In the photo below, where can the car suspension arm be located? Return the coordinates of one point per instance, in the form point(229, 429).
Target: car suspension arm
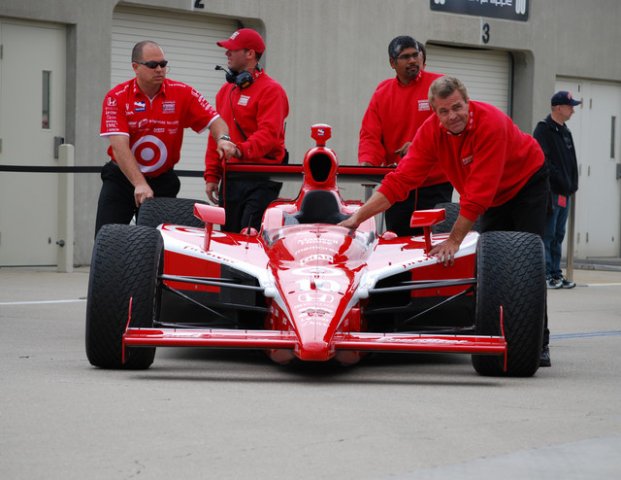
point(223, 283)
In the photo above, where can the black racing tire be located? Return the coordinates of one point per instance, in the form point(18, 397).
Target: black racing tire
point(176, 211)
point(126, 263)
point(511, 273)
point(452, 212)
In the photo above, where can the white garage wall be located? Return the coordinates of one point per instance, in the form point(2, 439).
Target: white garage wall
point(486, 73)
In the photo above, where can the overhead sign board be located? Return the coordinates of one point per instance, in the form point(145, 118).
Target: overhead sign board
point(507, 9)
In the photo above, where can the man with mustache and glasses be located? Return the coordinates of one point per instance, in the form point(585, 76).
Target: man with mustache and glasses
point(398, 107)
point(144, 119)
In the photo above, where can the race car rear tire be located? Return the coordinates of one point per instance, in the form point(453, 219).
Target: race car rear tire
point(176, 211)
point(511, 274)
point(126, 263)
point(452, 212)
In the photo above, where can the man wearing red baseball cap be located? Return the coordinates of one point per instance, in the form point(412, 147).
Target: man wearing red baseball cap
point(255, 107)
point(244, 38)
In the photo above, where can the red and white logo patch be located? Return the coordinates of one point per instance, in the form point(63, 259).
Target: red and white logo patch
point(423, 106)
point(168, 107)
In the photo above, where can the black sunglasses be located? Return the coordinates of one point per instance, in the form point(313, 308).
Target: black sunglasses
point(153, 64)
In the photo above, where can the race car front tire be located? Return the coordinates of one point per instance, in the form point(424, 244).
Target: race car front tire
point(176, 211)
point(125, 265)
point(511, 274)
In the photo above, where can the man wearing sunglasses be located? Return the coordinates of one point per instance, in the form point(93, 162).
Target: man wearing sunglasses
point(398, 107)
point(255, 107)
point(144, 119)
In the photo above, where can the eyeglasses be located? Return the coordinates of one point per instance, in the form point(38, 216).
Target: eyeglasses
point(407, 57)
point(152, 64)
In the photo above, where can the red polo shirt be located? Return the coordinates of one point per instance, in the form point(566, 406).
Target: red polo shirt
point(395, 113)
point(488, 163)
point(154, 126)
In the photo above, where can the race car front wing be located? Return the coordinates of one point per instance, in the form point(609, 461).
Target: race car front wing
point(318, 351)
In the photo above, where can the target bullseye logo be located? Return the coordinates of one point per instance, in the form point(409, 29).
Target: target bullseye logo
point(150, 152)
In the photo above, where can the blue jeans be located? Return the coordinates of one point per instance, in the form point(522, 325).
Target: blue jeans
point(553, 238)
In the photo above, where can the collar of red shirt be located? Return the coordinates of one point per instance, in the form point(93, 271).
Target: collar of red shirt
point(137, 91)
point(412, 83)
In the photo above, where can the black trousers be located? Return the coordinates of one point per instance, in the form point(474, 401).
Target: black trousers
point(398, 215)
point(245, 200)
point(116, 199)
point(526, 212)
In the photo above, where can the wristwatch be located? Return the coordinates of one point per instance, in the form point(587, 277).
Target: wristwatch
point(224, 137)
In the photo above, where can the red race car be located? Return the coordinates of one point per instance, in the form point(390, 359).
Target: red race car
point(306, 289)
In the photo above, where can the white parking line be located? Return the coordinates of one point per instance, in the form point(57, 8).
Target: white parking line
point(42, 302)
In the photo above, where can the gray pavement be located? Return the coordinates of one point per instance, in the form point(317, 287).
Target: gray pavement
point(234, 414)
point(595, 277)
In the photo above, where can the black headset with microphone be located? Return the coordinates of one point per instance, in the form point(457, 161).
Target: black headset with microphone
point(241, 79)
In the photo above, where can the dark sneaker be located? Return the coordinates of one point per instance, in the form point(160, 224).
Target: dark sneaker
point(554, 283)
point(544, 358)
point(566, 283)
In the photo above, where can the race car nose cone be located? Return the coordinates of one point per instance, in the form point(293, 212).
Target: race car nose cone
point(314, 351)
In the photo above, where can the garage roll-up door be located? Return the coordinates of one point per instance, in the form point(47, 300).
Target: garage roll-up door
point(486, 73)
point(189, 43)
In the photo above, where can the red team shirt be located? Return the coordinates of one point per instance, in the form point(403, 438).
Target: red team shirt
point(154, 126)
point(395, 113)
point(488, 163)
point(260, 111)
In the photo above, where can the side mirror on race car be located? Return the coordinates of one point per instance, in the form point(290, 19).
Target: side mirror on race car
point(425, 219)
point(209, 215)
